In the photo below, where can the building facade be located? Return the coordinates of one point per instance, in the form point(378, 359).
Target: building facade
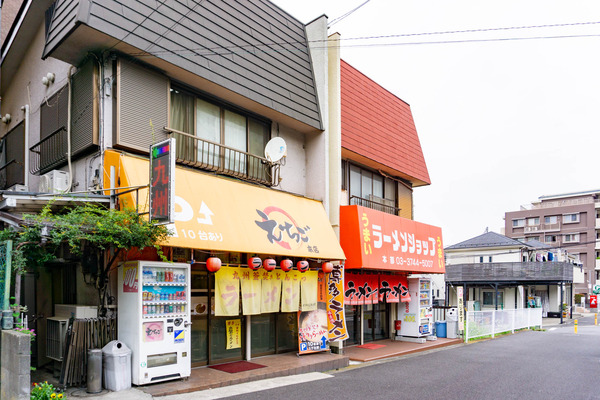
point(382, 163)
point(568, 222)
point(89, 86)
point(498, 272)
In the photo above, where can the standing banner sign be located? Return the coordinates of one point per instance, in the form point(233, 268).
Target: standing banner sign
point(5, 273)
point(334, 286)
point(461, 308)
point(593, 301)
point(162, 182)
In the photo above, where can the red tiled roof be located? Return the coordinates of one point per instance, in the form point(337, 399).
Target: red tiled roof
point(378, 125)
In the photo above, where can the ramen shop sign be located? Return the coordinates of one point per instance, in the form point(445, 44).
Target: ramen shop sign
point(162, 181)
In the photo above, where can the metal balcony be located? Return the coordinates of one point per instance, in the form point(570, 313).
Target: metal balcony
point(386, 208)
point(50, 153)
point(550, 271)
point(224, 160)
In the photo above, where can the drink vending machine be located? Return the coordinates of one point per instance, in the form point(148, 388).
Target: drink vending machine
point(417, 315)
point(154, 319)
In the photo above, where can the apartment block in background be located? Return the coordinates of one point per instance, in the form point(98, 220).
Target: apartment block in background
point(569, 222)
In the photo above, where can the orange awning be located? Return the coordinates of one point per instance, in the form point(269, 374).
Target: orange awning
point(221, 214)
point(373, 239)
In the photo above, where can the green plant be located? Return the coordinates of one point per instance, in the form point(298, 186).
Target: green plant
point(83, 228)
point(45, 391)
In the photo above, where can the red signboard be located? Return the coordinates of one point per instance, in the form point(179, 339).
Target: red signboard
point(593, 301)
point(373, 239)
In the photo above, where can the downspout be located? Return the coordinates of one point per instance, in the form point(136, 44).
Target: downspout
point(69, 130)
point(25, 108)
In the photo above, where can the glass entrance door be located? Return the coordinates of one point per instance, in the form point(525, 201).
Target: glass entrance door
point(375, 321)
point(209, 332)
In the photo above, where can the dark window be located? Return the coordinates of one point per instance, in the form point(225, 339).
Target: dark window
point(371, 189)
point(12, 157)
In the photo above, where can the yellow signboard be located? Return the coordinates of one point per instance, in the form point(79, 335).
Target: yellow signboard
point(227, 215)
point(234, 333)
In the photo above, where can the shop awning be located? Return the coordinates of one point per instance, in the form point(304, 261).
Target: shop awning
point(376, 240)
point(214, 213)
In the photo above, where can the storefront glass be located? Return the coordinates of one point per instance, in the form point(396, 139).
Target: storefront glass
point(352, 314)
point(287, 332)
point(263, 334)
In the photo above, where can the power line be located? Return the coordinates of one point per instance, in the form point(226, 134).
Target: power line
point(338, 19)
point(259, 47)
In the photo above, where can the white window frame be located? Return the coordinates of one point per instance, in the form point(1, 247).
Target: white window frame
point(551, 219)
point(571, 238)
point(568, 218)
point(535, 220)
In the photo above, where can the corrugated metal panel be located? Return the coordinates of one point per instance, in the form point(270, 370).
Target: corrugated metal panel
point(142, 96)
point(63, 21)
point(84, 109)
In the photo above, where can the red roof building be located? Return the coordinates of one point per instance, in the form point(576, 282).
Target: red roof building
point(378, 129)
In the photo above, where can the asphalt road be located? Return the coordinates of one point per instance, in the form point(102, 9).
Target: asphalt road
point(551, 364)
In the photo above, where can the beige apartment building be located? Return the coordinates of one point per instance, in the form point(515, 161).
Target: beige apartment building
point(567, 222)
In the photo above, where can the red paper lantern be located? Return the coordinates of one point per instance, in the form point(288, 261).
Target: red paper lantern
point(327, 267)
point(286, 265)
point(254, 263)
point(213, 264)
point(269, 264)
point(302, 266)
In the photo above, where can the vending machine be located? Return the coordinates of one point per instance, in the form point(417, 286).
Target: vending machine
point(154, 319)
point(416, 316)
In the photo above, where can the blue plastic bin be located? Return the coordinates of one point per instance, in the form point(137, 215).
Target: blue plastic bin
point(440, 329)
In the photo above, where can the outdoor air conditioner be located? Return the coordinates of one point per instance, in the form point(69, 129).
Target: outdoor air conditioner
point(17, 188)
point(54, 182)
point(56, 333)
point(75, 311)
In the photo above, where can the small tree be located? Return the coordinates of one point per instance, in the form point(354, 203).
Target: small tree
point(91, 225)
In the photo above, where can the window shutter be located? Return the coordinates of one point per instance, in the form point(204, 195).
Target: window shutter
point(142, 96)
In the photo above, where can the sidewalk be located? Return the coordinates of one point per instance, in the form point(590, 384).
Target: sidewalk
point(280, 365)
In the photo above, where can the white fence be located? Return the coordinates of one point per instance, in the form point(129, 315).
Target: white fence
point(490, 323)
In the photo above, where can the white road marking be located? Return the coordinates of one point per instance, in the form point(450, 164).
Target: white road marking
point(250, 387)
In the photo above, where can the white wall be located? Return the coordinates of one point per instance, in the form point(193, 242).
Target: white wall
point(472, 256)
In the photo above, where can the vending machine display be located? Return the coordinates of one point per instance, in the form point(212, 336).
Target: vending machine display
point(416, 316)
point(154, 319)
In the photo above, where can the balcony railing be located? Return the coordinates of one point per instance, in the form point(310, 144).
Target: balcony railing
point(50, 152)
point(225, 160)
point(510, 272)
point(386, 208)
point(542, 228)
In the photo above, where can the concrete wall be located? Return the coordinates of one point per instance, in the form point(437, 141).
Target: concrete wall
point(16, 365)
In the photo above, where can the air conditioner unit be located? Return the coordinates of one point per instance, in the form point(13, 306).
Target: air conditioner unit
point(54, 182)
point(17, 188)
point(56, 333)
point(75, 311)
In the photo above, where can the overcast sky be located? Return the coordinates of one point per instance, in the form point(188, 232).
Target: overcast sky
point(501, 122)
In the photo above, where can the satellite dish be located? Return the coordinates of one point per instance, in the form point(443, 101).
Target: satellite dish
point(276, 149)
